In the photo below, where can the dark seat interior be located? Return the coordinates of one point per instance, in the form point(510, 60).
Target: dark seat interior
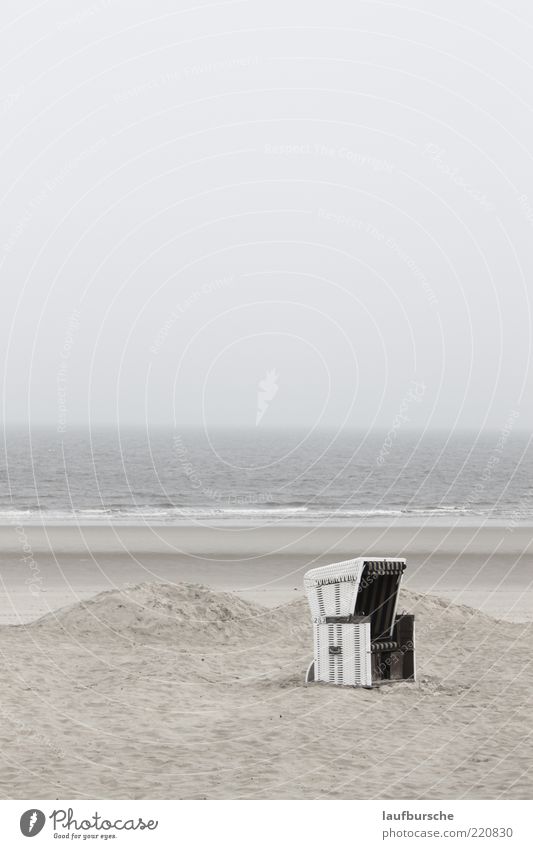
point(378, 591)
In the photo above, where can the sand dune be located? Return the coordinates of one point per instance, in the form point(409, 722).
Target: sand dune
point(177, 691)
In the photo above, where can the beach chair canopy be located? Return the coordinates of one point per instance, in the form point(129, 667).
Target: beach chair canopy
point(354, 588)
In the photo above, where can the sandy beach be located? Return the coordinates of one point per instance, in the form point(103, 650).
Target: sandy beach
point(47, 567)
point(169, 663)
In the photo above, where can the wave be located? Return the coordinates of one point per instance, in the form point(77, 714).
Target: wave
point(163, 515)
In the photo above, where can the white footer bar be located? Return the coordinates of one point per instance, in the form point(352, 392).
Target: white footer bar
point(261, 824)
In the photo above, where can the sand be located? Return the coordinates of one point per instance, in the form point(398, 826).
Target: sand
point(43, 568)
point(162, 690)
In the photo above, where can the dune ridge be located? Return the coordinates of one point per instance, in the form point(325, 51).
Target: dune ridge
point(177, 691)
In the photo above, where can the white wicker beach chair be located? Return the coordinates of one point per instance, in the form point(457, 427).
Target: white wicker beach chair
point(358, 639)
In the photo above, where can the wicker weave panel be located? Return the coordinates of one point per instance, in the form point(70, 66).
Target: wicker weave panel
point(350, 665)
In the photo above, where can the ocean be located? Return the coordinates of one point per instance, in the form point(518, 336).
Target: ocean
point(258, 476)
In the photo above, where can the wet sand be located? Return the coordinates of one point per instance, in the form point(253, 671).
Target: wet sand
point(43, 569)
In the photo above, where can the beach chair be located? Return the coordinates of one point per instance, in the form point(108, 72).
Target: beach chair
point(359, 641)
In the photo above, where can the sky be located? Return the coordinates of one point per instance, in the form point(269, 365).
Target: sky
point(316, 214)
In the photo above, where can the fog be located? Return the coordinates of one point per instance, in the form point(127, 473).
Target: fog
point(322, 212)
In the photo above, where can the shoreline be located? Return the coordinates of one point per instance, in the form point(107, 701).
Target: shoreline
point(295, 538)
point(45, 568)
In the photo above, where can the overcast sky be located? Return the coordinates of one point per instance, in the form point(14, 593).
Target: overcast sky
point(338, 195)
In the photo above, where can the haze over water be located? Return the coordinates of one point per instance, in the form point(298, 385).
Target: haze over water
point(174, 476)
